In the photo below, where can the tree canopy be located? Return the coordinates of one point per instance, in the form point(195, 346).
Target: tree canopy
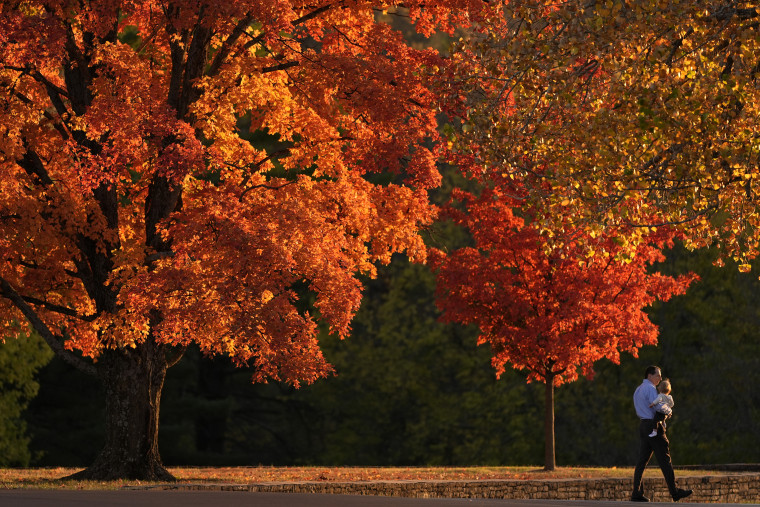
point(621, 113)
point(548, 313)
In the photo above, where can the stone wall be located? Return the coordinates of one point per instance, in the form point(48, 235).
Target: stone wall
point(735, 488)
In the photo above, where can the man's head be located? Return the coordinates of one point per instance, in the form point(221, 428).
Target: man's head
point(653, 374)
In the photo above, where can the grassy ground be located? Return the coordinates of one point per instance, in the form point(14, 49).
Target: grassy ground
point(50, 478)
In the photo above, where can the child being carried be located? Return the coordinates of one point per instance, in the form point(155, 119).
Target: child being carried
point(664, 398)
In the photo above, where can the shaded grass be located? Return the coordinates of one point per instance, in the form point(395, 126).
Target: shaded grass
point(50, 478)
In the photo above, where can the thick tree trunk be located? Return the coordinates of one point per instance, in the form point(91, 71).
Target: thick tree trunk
point(132, 380)
point(549, 455)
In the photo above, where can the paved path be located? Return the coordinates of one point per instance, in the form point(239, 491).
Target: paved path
point(67, 498)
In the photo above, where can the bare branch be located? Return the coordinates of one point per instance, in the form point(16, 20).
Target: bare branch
point(254, 40)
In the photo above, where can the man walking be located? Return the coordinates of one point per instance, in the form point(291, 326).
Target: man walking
point(658, 444)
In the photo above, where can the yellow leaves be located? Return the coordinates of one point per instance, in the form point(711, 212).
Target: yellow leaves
point(688, 152)
point(30, 8)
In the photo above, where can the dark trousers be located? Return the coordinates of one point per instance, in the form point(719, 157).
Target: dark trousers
point(659, 421)
point(658, 445)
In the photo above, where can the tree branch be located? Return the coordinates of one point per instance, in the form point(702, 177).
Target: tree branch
point(270, 187)
point(76, 74)
point(196, 56)
point(313, 14)
point(283, 151)
point(282, 66)
point(253, 41)
point(230, 41)
point(150, 259)
point(37, 76)
point(174, 354)
point(7, 291)
point(57, 122)
point(63, 310)
point(32, 164)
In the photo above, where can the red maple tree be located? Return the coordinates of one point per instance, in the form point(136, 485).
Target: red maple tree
point(552, 312)
point(188, 170)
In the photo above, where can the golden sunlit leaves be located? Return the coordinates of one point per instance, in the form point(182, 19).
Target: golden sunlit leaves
point(622, 113)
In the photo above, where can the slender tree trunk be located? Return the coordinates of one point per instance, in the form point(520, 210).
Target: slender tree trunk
point(549, 455)
point(132, 380)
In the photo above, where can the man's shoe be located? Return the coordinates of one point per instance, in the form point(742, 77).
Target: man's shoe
point(639, 498)
point(681, 493)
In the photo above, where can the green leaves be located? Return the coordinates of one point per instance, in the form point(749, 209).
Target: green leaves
point(20, 359)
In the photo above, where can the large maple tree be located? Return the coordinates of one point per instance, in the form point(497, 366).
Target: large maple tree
point(623, 113)
point(186, 171)
point(552, 312)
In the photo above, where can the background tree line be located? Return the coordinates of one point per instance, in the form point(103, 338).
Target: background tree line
point(410, 390)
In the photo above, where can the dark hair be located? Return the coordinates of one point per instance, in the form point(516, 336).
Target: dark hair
point(651, 370)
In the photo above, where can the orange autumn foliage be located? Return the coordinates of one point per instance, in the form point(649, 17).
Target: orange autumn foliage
point(133, 207)
point(543, 310)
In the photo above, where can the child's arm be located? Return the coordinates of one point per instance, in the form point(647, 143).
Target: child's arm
point(661, 404)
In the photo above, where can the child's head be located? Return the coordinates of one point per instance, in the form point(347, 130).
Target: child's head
point(664, 386)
